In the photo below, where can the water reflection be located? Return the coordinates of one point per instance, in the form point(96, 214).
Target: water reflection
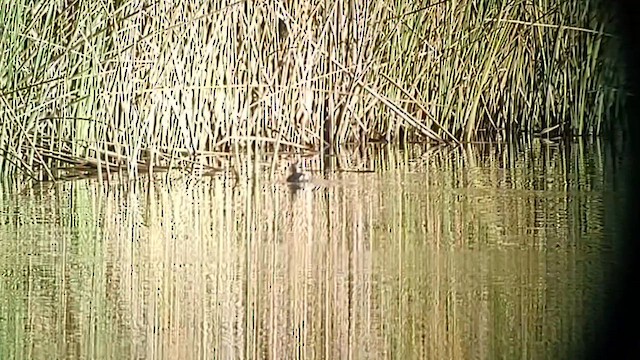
point(477, 252)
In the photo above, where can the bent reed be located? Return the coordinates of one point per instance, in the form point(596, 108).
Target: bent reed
point(152, 85)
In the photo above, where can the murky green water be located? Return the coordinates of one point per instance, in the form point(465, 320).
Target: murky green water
point(441, 254)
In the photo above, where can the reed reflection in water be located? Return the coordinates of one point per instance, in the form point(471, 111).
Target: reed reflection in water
point(436, 254)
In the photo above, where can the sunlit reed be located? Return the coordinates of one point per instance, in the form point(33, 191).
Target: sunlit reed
point(146, 86)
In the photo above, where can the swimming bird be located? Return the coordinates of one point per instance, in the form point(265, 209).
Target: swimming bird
point(296, 176)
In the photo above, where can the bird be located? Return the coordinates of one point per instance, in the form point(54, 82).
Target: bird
point(283, 32)
point(296, 176)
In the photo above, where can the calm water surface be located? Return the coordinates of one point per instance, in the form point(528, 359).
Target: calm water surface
point(469, 253)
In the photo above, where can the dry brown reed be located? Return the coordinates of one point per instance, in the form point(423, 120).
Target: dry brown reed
point(146, 86)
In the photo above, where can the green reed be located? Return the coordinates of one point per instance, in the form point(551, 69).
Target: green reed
point(148, 86)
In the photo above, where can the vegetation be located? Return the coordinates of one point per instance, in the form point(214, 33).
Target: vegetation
point(144, 85)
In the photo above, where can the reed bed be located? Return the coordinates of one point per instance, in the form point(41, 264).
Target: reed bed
point(153, 85)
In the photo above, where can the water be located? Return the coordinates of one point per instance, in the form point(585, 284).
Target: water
point(479, 252)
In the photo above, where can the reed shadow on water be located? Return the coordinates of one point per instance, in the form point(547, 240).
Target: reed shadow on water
point(441, 239)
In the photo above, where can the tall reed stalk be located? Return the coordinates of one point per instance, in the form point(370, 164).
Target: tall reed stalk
point(148, 85)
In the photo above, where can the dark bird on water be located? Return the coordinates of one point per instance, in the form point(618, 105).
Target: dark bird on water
point(296, 176)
